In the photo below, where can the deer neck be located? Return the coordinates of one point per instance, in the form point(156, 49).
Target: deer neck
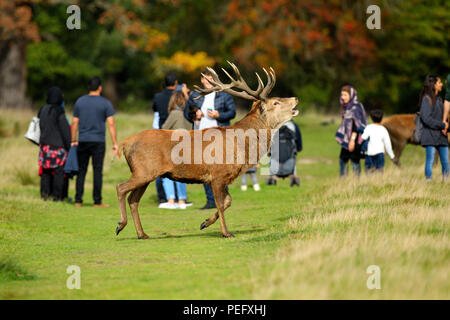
point(256, 121)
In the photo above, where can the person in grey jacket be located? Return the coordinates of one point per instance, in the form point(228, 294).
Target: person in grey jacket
point(432, 137)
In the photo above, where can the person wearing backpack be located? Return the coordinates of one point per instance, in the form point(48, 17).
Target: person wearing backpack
point(283, 158)
point(431, 115)
point(348, 135)
point(54, 146)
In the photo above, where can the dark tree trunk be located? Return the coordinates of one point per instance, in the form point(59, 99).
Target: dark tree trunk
point(111, 91)
point(13, 70)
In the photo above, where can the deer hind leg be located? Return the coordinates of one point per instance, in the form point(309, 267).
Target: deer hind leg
point(220, 194)
point(215, 216)
point(133, 200)
point(122, 191)
point(398, 150)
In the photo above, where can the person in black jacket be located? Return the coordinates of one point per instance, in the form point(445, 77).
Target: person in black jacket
point(432, 136)
point(161, 113)
point(54, 146)
point(212, 110)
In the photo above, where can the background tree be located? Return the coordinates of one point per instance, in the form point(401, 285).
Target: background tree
point(315, 46)
point(17, 29)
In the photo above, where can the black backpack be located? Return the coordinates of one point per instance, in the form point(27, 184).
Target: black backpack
point(287, 146)
point(417, 134)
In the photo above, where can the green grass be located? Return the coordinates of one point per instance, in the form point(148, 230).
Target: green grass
point(315, 241)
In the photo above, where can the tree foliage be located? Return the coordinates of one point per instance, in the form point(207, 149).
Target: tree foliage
point(314, 45)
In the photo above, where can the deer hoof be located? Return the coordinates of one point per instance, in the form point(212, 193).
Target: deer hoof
point(119, 228)
point(228, 235)
point(203, 226)
point(143, 237)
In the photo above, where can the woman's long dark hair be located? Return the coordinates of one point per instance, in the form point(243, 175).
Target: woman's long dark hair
point(428, 89)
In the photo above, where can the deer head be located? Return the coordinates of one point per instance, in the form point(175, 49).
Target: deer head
point(273, 111)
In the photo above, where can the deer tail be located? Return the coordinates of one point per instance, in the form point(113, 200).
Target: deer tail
point(121, 149)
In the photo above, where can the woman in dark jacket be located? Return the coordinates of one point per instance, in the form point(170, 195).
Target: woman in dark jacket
point(54, 145)
point(432, 137)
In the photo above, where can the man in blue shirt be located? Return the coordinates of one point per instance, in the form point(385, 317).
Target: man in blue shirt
point(211, 110)
point(89, 116)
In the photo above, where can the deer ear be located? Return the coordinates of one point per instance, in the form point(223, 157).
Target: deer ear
point(258, 104)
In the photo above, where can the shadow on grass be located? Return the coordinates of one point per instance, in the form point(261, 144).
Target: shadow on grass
point(211, 234)
point(11, 271)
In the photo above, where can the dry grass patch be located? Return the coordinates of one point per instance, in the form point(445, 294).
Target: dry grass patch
point(395, 221)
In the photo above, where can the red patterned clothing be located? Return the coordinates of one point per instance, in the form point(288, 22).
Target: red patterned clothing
point(51, 157)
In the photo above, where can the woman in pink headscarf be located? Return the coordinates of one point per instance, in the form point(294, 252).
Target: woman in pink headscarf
point(348, 135)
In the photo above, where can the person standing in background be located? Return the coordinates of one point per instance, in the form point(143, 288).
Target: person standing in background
point(431, 114)
point(378, 142)
point(161, 113)
point(54, 146)
point(348, 135)
point(90, 113)
point(211, 110)
point(175, 121)
point(446, 105)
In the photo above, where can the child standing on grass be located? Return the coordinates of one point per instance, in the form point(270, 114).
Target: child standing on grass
point(252, 173)
point(379, 142)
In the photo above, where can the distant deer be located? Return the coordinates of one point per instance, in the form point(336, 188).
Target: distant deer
point(401, 128)
point(149, 153)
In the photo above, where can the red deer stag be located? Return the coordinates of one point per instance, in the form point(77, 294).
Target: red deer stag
point(150, 153)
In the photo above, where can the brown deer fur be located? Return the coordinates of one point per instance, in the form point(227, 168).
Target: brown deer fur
point(149, 156)
point(401, 128)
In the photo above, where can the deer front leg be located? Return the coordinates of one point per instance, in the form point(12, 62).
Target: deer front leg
point(215, 216)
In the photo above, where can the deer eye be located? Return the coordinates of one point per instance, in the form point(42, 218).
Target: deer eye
point(276, 103)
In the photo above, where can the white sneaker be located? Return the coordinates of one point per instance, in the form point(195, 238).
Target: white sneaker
point(244, 188)
point(182, 206)
point(167, 205)
point(256, 187)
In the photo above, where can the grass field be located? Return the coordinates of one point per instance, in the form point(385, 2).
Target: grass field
point(313, 242)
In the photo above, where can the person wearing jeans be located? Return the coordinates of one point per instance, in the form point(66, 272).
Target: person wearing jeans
point(175, 121)
point(212, 110)
point(169, 188)
point(434, 131)
point(90, 114)
point(378, 141)
point(430, 152)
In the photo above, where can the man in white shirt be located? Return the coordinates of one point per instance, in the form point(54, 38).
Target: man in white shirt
point(378, 142)
point(213, 110)
point(206, 119)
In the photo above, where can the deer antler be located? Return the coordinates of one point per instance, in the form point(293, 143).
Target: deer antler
point(247, 93)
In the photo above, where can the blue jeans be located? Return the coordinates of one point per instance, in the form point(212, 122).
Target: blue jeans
point(375, 162)
point(210, 194)
point(169, 189)
point(430, 152)
point(343, 169)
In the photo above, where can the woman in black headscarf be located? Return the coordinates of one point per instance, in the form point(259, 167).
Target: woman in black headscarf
point(54, 145)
